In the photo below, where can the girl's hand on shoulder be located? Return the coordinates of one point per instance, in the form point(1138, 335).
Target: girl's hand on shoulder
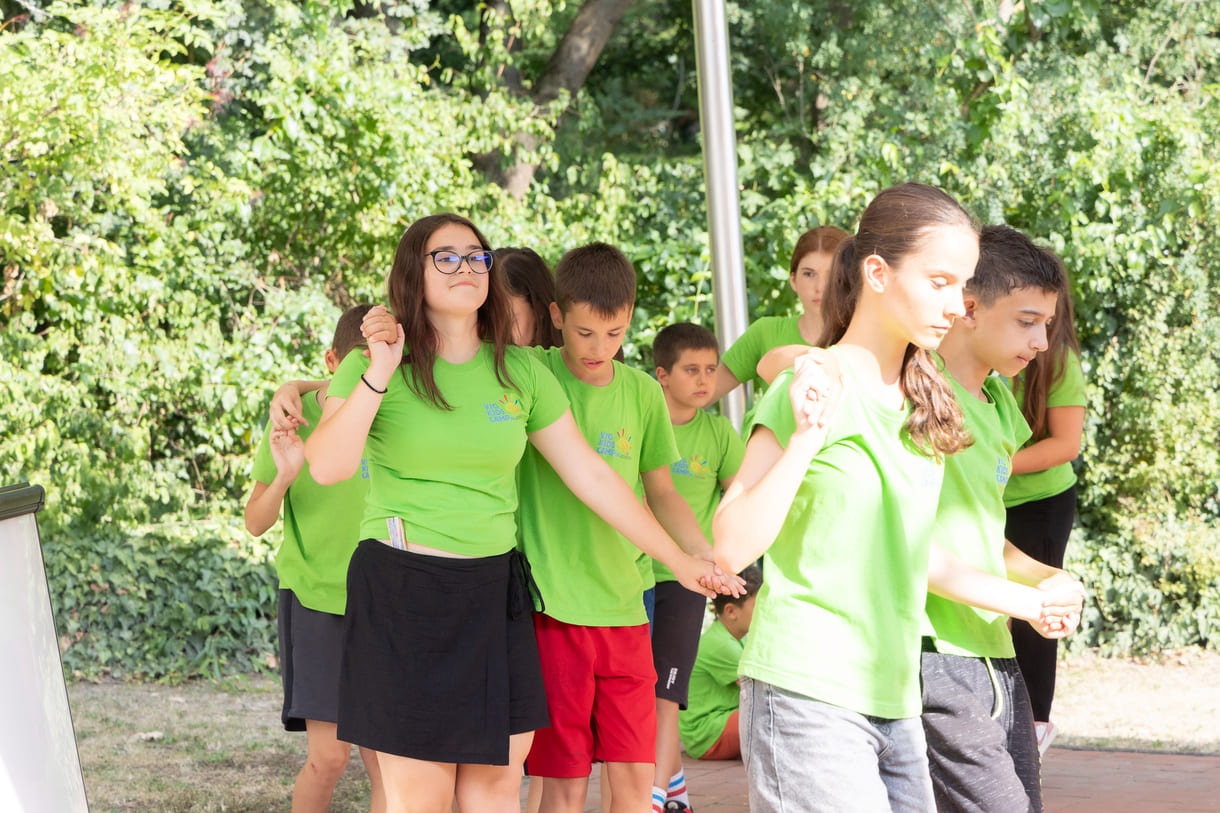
point(385, 338)
point(816, 390)
point(286, 410)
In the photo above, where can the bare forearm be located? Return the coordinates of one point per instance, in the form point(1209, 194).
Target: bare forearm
point(335, 447)
point(263, 507)
point(679, 522)
point(1024, 568)
point(1045, 454)
point(749, 519)
point(951, 578)
point(726, 382)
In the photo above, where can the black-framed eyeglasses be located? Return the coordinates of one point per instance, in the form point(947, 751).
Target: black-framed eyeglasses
point(448, 262)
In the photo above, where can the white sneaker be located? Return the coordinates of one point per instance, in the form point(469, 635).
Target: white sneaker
point(1046, 735)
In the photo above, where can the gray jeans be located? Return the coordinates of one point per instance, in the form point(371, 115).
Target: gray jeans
point(803, 755)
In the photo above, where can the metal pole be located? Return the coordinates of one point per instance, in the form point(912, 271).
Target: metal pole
point(720, 174)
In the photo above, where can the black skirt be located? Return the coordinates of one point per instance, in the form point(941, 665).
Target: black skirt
point(439, 657)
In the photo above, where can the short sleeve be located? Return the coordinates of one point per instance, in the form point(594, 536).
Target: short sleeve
point(722, 662)
point(743, 357)
point(775, 410)
point(264, 469)
point(347, 376)
point(1068, 389)
point(660, 448)
point(733, 450)
point(548, 399)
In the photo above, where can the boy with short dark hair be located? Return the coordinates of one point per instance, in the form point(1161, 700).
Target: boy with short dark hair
point(687, 356)
point(982, 748)
point(593, 632)
point(321, 525)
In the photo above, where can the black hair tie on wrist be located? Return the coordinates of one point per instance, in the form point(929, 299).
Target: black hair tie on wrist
point(371, 387)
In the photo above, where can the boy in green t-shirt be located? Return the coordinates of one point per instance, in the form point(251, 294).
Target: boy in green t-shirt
point(686, 356)
point(593, 632)
point(982, 749)
point(709, 722)
point(320, 532)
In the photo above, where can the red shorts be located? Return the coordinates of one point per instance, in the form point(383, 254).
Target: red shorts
point(599, 693)
point(728, 746)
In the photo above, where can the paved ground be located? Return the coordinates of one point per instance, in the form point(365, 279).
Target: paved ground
point(1074, 781)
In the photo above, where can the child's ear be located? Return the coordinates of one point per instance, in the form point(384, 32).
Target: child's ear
point(332, 360)
point(556, 316)
point(876, 272)
point(662, 376)
point(971, 305)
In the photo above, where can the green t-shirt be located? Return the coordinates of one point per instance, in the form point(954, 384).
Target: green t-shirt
point(321, 525)
point(450, 475)
point(711, 453)
point(762, 336)
point(586, 571)
point(970, 518)
point(1068, 390)
point(714, 694)
point(840, 612)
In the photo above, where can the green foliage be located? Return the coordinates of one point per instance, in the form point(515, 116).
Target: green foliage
point(1154, 586)
point(171, 603)
point(191, 190)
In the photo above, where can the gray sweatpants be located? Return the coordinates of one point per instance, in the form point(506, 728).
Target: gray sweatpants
point(982, 750)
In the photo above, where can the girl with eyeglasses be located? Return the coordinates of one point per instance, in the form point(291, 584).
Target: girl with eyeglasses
point(440, 673)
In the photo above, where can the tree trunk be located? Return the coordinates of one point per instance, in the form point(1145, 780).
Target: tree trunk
point(567, 69)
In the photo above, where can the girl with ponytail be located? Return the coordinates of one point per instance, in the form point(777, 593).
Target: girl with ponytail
point(838, 490)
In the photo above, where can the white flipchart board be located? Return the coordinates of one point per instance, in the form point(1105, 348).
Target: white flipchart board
point(39, 764)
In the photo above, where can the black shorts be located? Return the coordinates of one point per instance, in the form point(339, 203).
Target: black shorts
point(439, 660)
point(677, 622)
point(310, 645)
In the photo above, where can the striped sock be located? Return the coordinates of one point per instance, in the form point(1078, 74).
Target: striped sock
point(658, 800)
point(677, 788)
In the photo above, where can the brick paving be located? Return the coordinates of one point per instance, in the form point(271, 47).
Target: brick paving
point(1074, 781)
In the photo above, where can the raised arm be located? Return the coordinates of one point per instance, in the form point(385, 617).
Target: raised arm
point(336, 445)
point(755, 506)
point(1065, 428)
point(286, 411)
point(778, 359)
point(263, 506)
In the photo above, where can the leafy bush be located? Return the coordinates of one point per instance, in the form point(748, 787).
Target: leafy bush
point(193, 189)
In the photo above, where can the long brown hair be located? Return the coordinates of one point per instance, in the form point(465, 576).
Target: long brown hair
point(895, 224)
point(405, 291)
point(1047, 367)
point(527, 275)
point(820, 239)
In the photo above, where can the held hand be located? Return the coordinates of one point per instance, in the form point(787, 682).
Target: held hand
point(695, 575)
point(287, 452)
point(386, 340)
point(379, 325)
point(1062, 605)
point(728, 584)
point(286, 411)
point(816, 390)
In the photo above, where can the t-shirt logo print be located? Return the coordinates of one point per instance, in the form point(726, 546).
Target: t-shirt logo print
point(1002, 471)
point(615, 444)
point(508, 408)
point(693, 466)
